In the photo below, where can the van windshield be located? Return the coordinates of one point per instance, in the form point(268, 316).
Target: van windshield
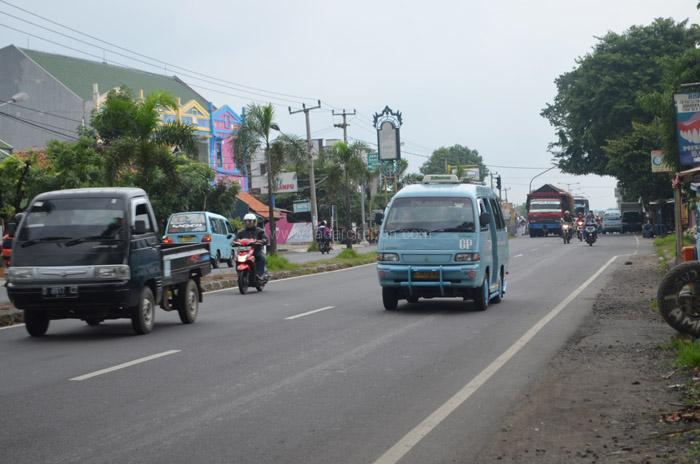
point(74, 218)
point(430, 214)
point(186, 223)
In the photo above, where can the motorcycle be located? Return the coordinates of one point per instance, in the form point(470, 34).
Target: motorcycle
point(590, 234)
point(324, 246)
point(245, 267)
point(567, 232)
point(579, 230)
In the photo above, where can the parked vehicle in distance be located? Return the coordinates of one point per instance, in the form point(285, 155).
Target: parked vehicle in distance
point(443, 238)
point(632, 221)
point(612, 221)
point(95, 254)
point(581, 205)
point(203, 227)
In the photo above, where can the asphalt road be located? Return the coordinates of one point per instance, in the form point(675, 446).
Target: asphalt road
point(252, 383)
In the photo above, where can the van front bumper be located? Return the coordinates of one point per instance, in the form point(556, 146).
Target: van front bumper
point(447, 277)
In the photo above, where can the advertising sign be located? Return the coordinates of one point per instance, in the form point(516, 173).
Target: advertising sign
point(688, 127)
point(301, 206)
point(372, 161)
point(388, 141)
point(657, 162)
point(285, 182)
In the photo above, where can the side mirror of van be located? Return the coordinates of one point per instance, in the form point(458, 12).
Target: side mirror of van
point(379, 218)
point(484, 219)
point(139, 227)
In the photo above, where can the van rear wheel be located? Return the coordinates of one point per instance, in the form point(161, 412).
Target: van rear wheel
point(390, 298)
point(36, 323)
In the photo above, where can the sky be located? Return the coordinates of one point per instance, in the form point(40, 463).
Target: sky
point(469, 72)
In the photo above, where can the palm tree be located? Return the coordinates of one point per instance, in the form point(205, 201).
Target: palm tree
point(347, 168)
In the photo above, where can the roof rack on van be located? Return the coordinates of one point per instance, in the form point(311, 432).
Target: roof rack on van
point(440, 179)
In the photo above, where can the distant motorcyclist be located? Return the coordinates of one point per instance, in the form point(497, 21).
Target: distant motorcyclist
point(567, 217)
point(590, 219)
point(323, 236)
point(253, 232)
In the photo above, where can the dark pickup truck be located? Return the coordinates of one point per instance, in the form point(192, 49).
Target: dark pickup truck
point(95, 254)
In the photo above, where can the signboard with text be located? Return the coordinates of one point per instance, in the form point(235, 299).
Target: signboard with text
point(657, 162)
point(285, 182)
point(688, 127)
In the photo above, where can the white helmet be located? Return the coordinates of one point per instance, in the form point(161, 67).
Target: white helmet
point(250, 217)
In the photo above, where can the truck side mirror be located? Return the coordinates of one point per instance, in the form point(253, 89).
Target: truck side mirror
point(139, 227)
point(484, 219)
point(11, 228)
point(379, 218)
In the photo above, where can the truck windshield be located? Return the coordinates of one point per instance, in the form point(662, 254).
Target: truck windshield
point(187, 222)
point(545, 206)
point(430, 214)
point(74, 218)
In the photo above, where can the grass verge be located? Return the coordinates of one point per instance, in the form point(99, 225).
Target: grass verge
point(280, 263)
point(666, 249)
point(687, 352)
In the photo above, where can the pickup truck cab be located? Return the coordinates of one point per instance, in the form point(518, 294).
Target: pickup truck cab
point(95, 254)
point(443, 238)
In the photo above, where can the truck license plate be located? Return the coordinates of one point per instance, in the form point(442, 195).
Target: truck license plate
point(60, 292)
point(426, 276)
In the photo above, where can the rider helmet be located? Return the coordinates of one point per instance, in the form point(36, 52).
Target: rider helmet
point(250, 220)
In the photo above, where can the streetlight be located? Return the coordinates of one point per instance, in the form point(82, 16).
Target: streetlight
point(538, 175)
point(21, 96)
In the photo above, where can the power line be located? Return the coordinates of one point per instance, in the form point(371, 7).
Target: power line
point(38, 126)
point(243, 86)
point(46, 112)
point(47, 124)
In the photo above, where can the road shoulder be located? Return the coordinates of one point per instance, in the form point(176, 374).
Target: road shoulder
point(602, 397)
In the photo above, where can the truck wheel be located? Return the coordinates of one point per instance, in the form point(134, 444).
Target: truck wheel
point(187, 302)
point(36, 323)
point(390, 298)
point(143, 315)
point(481, 298)
point(679, 298)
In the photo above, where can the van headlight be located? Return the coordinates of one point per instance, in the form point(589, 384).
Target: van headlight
point(121, 272)
point(17, 274)
point(467, 257)
point(387, 257)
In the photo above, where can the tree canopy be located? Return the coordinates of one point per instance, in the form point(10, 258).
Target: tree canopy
point(454, 155)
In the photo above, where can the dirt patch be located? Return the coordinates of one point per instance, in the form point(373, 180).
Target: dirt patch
point(603, 398)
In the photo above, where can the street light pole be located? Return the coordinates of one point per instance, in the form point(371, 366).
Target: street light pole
point(312, 173)
point(538, 175)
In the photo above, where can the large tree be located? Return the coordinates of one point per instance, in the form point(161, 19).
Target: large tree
point(600, 99)
point(455, 155)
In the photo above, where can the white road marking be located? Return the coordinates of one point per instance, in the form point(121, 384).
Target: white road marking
point(412, 438)
point(11, 326)
point(325, 308)
point(535, 249)
point(317, 274)
point(518, 256)
point(124, 365)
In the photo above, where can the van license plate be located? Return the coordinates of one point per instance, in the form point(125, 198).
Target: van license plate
point(187, 238)
point(60, 292)
point(426, 276)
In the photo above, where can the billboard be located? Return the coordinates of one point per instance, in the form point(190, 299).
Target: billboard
point(688, 127)
point(657, 162)
point(285, 182)
point(388, 136)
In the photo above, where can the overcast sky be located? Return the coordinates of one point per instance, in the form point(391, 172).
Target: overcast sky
point(473, 72)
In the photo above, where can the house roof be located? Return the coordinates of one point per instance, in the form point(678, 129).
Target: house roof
point(79, 74)
point(257, 206)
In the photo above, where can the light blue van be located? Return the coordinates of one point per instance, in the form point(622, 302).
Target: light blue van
point(203, 227)
point(443, 238)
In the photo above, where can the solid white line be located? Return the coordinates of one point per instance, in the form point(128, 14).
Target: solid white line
point(11, 326)
point(535, 249)
point(518, 256)
point(412, 438)
point(316, 274)
point(123, 365)
point(325, 308)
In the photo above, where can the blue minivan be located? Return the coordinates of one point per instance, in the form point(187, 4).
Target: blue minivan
point(203, 227)
point(443, 238)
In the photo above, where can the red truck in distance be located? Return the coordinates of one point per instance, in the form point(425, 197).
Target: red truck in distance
point(545, 207)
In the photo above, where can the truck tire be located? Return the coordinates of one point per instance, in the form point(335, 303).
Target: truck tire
point(390, 298)
point(36, 323)
point(679, 298)
point(143, 315)
point(187, 302)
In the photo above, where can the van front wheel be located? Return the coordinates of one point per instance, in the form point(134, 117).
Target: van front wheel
point(390, 298)
point(481, 299)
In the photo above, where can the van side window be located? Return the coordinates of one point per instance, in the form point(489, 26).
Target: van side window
point(497, 216)
point(229, 228)
point(141, 214)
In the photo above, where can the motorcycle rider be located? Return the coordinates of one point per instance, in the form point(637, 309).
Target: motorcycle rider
point(567, 218)
point(323, 234)
point(252, 231)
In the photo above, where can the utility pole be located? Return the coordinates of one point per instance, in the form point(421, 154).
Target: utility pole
point(312, 173)
point(344, 125)
point(505, 190)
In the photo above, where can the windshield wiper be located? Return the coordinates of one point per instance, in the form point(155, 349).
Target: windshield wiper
point(42, 239)
point(408, 229)
point(454, 229)
point(76, 241)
